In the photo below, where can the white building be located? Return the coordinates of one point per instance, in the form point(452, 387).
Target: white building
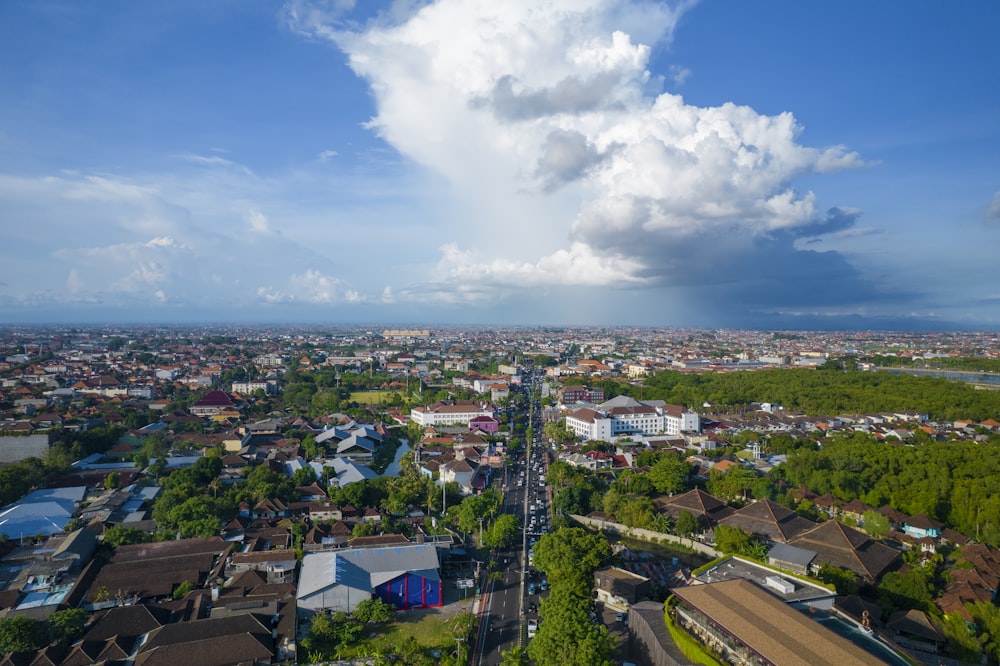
point(457, 412)
point(624, 416)
point(253, 385)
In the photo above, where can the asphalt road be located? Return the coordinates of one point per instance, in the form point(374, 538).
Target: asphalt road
point(504, 614)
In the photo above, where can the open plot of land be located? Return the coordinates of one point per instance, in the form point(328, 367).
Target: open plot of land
point(370, 397)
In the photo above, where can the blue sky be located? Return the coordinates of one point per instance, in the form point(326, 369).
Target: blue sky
point(774, 165)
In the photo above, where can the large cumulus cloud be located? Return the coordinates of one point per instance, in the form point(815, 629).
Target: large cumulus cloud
point(523, 101)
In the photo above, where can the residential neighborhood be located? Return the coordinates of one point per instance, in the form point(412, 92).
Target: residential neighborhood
point(214, 492)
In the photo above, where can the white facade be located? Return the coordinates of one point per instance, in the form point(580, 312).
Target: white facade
point(254, 385)
point(450, 414)
point(675, 423)
point(622, 417)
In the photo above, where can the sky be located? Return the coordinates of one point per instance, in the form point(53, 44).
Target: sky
point(778, 165)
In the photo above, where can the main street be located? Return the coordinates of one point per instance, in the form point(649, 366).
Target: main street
point(505, 604)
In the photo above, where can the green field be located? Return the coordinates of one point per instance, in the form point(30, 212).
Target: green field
point(370, 397)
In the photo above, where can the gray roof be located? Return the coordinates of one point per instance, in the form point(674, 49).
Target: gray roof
point(43, 511)
point(782, 552)
point(365, 568)
point(355, 440)
point(349, 472)
point(418, 558)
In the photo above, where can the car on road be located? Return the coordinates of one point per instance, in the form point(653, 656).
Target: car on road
point(622, 617)
point(531, 590)
point(532, 628)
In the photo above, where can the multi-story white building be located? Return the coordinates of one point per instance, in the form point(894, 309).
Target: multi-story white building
point(624, 416)
point(454, 412)
point(254, 385)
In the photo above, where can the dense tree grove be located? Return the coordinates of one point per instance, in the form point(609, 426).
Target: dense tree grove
point(23, 634)
point(819, 392)
point(566, 634)
point(957, 483)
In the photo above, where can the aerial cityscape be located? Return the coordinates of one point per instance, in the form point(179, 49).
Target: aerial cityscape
point(524, 333)
point(496, 496)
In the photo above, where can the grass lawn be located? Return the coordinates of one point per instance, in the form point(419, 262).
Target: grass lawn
point(369, 397)
point(432, 630)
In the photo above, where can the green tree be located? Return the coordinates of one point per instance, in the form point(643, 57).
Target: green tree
point(731, 540)
point(65, 626)
point(502, 533)
point(516, 656)
point(686, 524)
point(736, 483)
point(910, 588)
point(373, 610)
point(571, 550)
point(21, 634)
point(566, 635)
point(963, 643)
point(112, 481)
point(875, 523)
point(183, 589)
point(119, 535)
point(987, 617)
point(670, 474)
point(304, 476)
point(844, 581)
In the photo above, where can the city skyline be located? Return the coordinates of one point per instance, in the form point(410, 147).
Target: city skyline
point(598, 162)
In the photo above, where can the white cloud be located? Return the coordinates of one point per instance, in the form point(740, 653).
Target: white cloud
point(312, 287)
point(214, 161)
point(326, 155)
point(994, 208)
point(101, 188)
point(679, 74)
point(257, 222)
point(73, 282)
point(517, 103)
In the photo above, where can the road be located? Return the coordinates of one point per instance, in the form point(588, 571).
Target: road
point(505, 602)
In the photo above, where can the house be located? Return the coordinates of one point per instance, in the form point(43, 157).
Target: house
point(213, 403)
point(154, 570)
point(770, 520)
point(790, 558)
point(405, 576)
point(460, 472)
point(570, 395)
point(236, 639)
point(269, 509)
point(357, 449)
point(625, 416)
point(619, 588)
point(278, 565)
point(847, 548)
point(342, 472)
point(921, 526)
point(708, 509)
point(486, 424)
point(916, 630)
point(44, 511)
